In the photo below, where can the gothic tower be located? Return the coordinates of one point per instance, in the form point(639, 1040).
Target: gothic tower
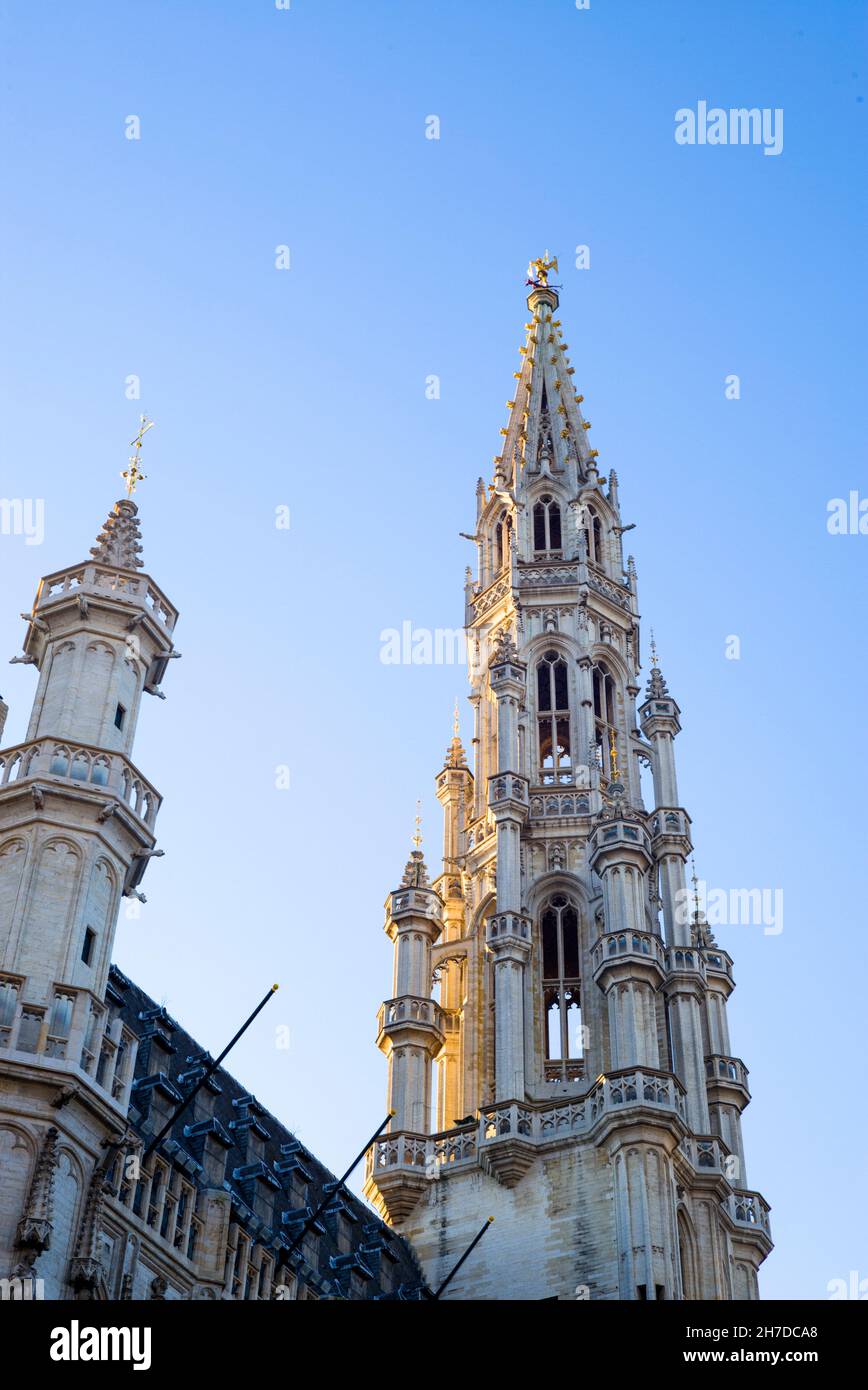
point(77, 828)
point(558, 1057)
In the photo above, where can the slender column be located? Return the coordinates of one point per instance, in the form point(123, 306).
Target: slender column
point(509, 935)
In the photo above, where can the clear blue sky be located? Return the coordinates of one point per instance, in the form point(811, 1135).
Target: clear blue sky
point(306, 387)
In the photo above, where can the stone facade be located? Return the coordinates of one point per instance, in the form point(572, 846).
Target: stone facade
point(558, 1059)
point(90, 1067)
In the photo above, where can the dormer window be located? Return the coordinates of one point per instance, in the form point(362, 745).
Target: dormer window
point(547, 529)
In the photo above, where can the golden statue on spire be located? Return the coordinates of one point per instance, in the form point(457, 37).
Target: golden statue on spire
point(133, 474)
point(538, 270)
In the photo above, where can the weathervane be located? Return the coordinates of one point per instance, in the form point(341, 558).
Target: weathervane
point(133, 474)
point(653, 650)
point(538, 270)
point(417, 838)
point(695, 882)
point(456, 723)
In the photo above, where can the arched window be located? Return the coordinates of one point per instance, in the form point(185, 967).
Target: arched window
point(553, 720)
point(547, 529)
point(594, 538)
point(562, 1003)
point(501, 543)
point(605, 724)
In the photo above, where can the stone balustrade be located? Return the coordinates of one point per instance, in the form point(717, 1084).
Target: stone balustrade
point(537, 1122)
point(74, 1035)
point(749, 1209)
point(616, 945)
point(707, 1153)
point(410, 1008)
point(96, 579)
point(685, 960)
point(47, 759)
point(718, 1068)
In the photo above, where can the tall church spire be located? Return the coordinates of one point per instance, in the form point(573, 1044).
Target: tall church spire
point(568, 1030)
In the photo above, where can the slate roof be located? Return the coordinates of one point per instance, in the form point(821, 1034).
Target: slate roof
point(383, 1262)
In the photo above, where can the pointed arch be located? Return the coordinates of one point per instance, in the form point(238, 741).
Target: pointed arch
point(552, 695)
point(547, 523)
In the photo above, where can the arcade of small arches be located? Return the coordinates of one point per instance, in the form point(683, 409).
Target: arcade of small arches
point(547, 532)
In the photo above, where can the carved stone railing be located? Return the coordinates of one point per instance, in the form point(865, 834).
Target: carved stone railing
point(548, 575)
point(95, 579)
point(53, 759)
point(75, 1034)
point(409, 1008)
point(707, 1153)
point(560, 804)
point(685, 960)
point(616, 593)
point(534, 1122)
point(719, 1068)
point(718, 962)
point(614, 945)
point(749, 1209)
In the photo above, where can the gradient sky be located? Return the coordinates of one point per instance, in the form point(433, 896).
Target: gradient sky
point(306, 388)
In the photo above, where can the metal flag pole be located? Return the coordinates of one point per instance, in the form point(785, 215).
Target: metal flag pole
point(452, 1273)
point(209, 1071)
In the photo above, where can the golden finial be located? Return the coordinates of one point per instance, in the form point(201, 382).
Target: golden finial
point(654, 659)
point(613, 754)
point(538, 270)
point(695, 882)
point(417, 838)
point(133, 474)
point(456, 724)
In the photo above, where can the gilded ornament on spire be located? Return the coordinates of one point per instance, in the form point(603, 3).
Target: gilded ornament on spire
point(538, 270)
point(133, 474)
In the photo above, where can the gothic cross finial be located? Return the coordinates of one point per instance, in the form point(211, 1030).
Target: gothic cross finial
point(695, 882)
point(417, 838)
point(653, 649)
point(133, 475)
point(456, 726)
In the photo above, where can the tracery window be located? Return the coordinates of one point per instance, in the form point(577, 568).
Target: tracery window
point(594, 538)
point(553, 720)
point(547, 529)
point(502, 541)
point(605, 723)
point(561, 982)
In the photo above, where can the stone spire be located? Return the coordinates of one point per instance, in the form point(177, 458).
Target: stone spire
point(545, 426)
point(415, 872)
point(455, 755)
point(656, 687)
point(118, 542)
